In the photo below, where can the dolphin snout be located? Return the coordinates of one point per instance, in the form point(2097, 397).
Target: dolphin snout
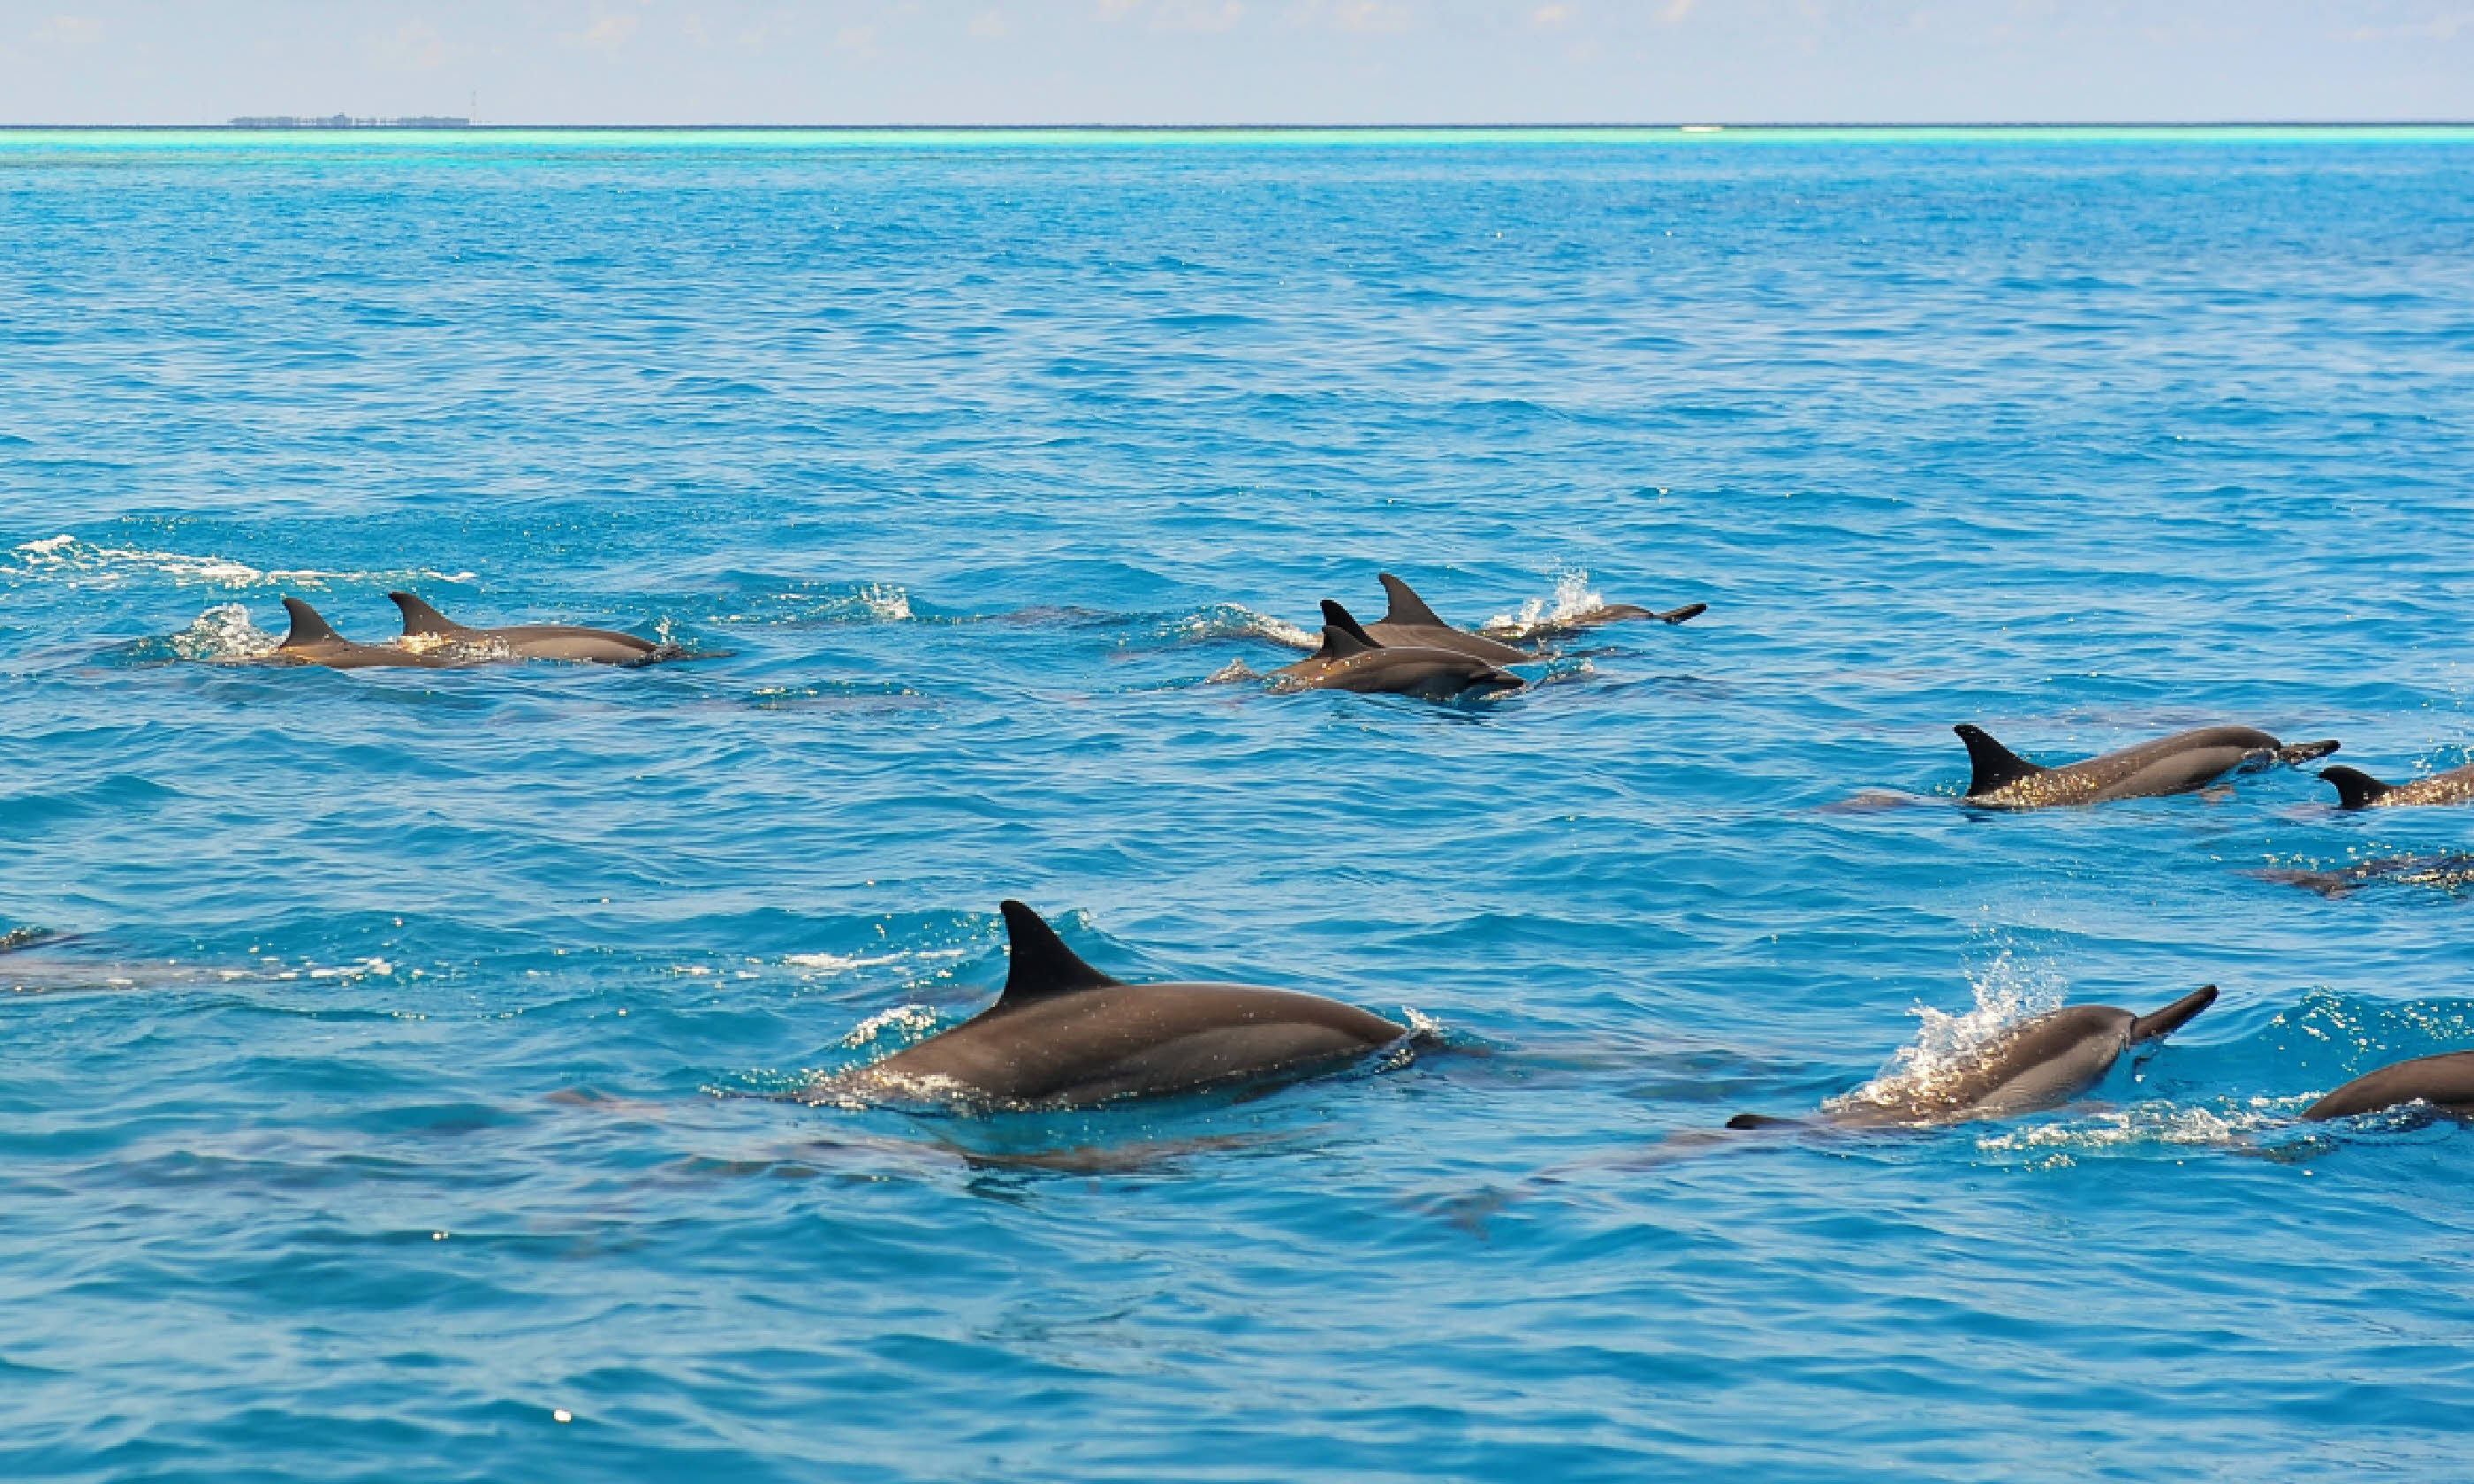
point(2173, 1017)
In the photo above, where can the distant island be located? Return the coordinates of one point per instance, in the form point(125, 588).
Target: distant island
point(346, 121)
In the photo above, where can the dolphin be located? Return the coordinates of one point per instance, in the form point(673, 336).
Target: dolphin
point(2449, 873)
point(1353, 660)
point(2445, 1082)
point(2359, 790)
point(2042, 1061)
point(529, 642)
point(1590, 618)
point(1410, 621)
point(1065, 1035)
point(2169, 765)
point(314, 641)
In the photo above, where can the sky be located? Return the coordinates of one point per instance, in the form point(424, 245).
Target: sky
point(1235, 62)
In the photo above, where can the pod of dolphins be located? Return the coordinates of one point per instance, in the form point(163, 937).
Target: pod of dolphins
point(1065, 1035)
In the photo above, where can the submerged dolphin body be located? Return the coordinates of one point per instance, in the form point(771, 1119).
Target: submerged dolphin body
point(2445, 1082)
point(1353, 660)
point(1065, 1035)
point(2176, 764)
point(2359, 790)
point(529, 642)
point(314, 641)
point(2040, 1063)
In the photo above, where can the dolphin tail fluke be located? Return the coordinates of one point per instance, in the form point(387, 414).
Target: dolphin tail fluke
point(1341, 635)
point(1765, 1121)
point(2173, 1017)
point(1996, 766)
point(1038, 963)
point(308, 628)
point(1407, 609)
point(421, 619)
point(2355, 788)
point(1684, 614)
point(2301, 753)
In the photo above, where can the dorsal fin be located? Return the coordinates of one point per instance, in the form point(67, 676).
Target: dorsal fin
point(1408, 609)
point(1039, 963)
point(1341, 635)
point(1996, 765)
point(2173, 1017)
point(420, 618)
point(2355, 788)
point(308, 628)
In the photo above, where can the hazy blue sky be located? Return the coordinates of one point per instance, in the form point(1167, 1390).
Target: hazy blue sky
point(1151, 62)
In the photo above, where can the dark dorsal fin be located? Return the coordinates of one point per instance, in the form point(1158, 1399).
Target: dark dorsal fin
point(1996, 765)
point(2355, 788)
point(1765, 1121)
point(308, 628)
point(2172, 1019)
point(1039, 962)
point(1407, 607)
point(420, 618)
point(1341, 635)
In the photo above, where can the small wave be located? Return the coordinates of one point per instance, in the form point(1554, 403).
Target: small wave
point(83, 562)
point(1949, 1045)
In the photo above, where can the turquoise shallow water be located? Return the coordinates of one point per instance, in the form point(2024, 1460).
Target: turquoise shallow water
point(400, 1081)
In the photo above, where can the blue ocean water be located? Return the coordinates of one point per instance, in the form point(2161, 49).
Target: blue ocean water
point(400, 1098)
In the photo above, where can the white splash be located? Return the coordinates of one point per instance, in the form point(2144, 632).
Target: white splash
point(908, 1023)
point(841, 963)
point(1574, 597)
point(884, 601)
point(224, 632)
point(1236, 621)
point(2006, 993)
point(349, 973)
point(2143, 1124)
point(68, 556)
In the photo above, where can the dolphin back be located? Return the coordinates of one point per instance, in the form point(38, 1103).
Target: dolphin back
point(419, 619)
point(2445, 1081)
point(1038, 964)
point(308, 628)
point(1408, 611)
point(1342, 635)
point(2355, 788)
point(1996, 767)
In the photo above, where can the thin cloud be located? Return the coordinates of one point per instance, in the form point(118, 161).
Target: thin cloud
point(71, 30)
point(415, 46)
point(608, 33)
point(1367, 17)
point(991, 26)
point(1197, 16)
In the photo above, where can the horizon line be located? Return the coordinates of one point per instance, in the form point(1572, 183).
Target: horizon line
point(1678, 126)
